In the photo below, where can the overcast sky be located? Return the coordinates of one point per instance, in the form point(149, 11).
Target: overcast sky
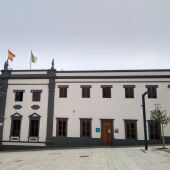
point(86, 34)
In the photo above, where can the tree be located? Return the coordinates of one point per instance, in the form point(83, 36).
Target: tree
point(160, 116)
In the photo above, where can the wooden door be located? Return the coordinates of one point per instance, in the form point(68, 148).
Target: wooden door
point(107, 132)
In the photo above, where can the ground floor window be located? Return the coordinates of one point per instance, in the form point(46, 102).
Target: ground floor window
point(15, 124)
point(34, 125)
point(154, 130)
point(61, 126)
point(34, 128)
point(85, 127)
point(130, 129)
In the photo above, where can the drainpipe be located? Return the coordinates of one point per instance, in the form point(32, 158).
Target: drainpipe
point(144, 120)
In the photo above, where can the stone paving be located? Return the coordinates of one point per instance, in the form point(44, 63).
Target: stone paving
point(131, 158)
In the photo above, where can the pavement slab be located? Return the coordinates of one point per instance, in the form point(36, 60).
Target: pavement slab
point(125, 158)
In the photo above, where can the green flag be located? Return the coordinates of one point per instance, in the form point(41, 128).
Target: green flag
point(33, 58)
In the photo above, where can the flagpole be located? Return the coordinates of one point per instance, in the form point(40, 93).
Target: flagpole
point(7, 62)
point(8, 65)
point(30, 60)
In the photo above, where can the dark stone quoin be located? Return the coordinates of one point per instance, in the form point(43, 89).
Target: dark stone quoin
point(3, 93)
point(51, 91)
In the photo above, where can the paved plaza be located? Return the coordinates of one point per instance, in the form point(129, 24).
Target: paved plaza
point(131, 158)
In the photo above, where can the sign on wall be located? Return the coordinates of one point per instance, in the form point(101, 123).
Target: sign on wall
point(97, 129)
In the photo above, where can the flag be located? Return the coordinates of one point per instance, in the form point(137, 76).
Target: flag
point(10, 55)
point(33, 58)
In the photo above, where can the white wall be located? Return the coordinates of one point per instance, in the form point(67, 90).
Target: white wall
point(14, 72)
point(111, 73)
point(118, 107)
point(26, 109)
point(75, 107)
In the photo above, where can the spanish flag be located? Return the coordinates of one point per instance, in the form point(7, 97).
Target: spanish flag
point(10, 55)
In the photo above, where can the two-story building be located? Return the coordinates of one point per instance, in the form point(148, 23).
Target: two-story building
point(80, 108)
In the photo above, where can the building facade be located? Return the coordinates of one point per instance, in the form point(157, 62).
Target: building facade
point(53, 108)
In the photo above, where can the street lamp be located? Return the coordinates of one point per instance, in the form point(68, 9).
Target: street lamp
point(144, 120)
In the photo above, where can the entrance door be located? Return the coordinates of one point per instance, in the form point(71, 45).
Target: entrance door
point(107, 132)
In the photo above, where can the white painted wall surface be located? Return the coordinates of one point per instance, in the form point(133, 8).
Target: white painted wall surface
point(115, 80)
point(118, 107)
point(75, 107)
point(28, 81)
point(112, 73)
point(26, 109)
point(28, 72)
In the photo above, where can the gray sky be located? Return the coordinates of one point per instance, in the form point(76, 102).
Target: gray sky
point(86, 34)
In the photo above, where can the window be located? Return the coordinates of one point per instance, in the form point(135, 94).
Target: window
point(61, 126)
point(154, 130)
point(85, 91)
point(129, 91)
point(63, 91)
point(16, 124)
point(130, 129)
point(34, 125)
point(85, 127)
point(36, 95)
point(152, 91)
point(34, 128)
point(106, 91)
point(18, 95)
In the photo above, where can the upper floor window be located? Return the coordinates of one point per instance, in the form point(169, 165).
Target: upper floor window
point(85, 127)
point(152, 91)
point(106, 89)
point(129, 91)
point(85, 91)
point(130, 129)
point(63, 91)
point(36, 95)
point(19, 95)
